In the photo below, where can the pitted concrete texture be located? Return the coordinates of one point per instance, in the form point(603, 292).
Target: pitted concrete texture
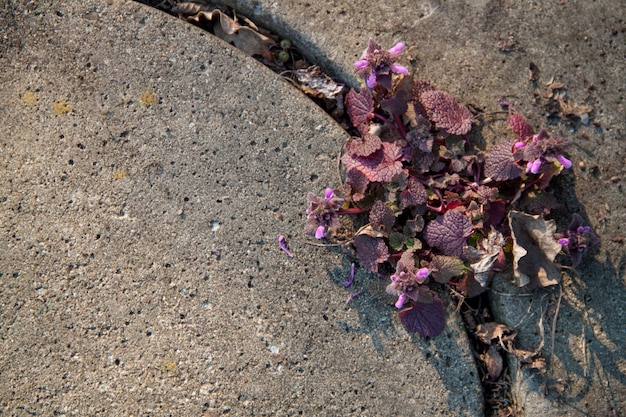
point(483, 50)
point(147, 170)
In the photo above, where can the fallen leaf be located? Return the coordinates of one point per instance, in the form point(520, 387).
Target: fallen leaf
point(224, 27)
point(490, 249)
point(493, 361)
point(317, 81)
point(534, 250)
point(489, 331)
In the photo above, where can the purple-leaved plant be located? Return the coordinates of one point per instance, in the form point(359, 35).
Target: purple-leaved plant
point(322, 213)
point(437, 206)
point(377, 65)
point(577, 239)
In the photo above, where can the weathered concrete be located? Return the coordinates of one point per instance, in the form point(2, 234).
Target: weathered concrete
point(457, 45)
point(146, 172)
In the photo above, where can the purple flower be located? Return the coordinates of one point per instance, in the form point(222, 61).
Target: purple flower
point(401, 300)
point(283, 246)
point(540, 149)
point(577, 239)
point(322, 213)
point(350, 278)
point(422, 274)
point(406, 285)
point(377, 65)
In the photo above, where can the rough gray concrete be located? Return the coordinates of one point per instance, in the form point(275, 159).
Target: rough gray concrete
point(146, 172)
point(456, 45)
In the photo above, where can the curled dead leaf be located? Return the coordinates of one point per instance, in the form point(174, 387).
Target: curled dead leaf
point(488, 332)
point(246, 38)
point(534, 250)
point(494, 363)
point(318, 83)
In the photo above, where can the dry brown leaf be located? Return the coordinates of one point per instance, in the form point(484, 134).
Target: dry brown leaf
point(314, 82)
point(574, 109)
point(489, 331)
point(493, 361)
point(530, 359)
point(224, 27)
point(534, 250)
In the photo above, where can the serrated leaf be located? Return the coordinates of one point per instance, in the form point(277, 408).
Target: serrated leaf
point(427, 319)
point(364, 145)
point(495, 212)
point(519, 125)
point(360, 107)
point(406, 263)
point(448, 233)
point(397, 240)
point(396, 104)
point(358, 182)
point(381, 166)
point(371, 251)
point(382, 218)
point(447, 114)
point(444, 268)
point(414, 194)
point(500, 163)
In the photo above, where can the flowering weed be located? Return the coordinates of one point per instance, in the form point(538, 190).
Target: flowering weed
point(437, 206)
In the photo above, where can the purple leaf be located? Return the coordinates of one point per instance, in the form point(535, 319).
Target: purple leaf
point(519, 125)
point(447, 114)
point(360, 107)
point(381, 166)
point(424, 162)
point(382, 218)
point(419, 88)
point(414, 194)
point(363, 146)
point(448, 233)
point(406, 263)
point(358, 182)
point(397, 104)
point(427, 319)
point(500, 163)
point(495, 213)
point(371, 251)
point(420, 137)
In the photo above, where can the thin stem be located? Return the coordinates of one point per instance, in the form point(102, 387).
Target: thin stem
point(351, 210)
point(390, 123)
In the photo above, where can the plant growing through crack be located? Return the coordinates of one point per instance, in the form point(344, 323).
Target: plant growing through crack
point(440, 211)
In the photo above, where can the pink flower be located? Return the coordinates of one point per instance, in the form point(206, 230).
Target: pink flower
point(378, 65)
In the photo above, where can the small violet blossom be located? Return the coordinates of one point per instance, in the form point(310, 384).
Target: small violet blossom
point(350, 278)
point(577, 239)
point(540, 149)
point(322, 213)
point(406, 285)
point(377, 65)
point(283, 246)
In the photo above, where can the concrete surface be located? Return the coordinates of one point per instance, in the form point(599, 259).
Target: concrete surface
point(147, 170)
point(457, 44)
